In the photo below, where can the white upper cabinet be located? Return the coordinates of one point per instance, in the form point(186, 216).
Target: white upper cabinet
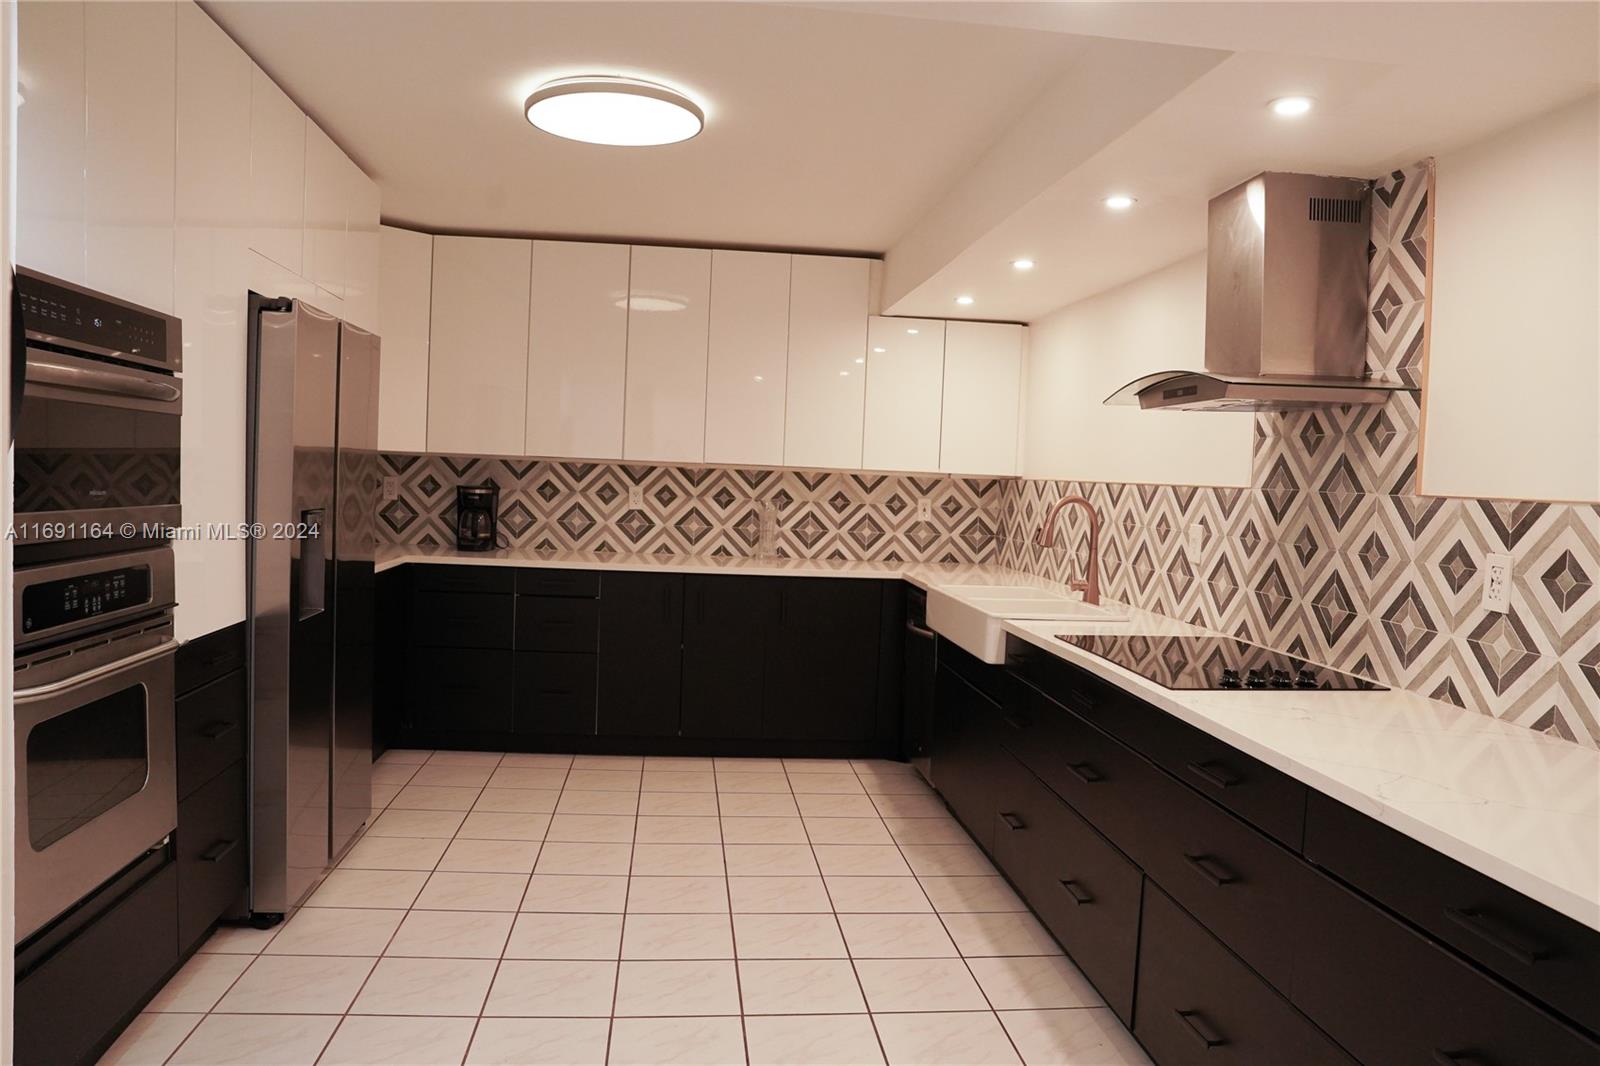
point(982, 394)
point(828, 299)
point(905, 381)
point(277, 174)
point(748, 357)
point(362, 275)
point(478, 351)
point(327, 193)
point(669, 292)
point(50, 139)
point(131, 110)
point(404, 294)
point(577, 350)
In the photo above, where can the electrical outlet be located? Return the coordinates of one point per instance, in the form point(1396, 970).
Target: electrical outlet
point(1195, 538)
point(1497, 582)
point(635, 496)
point(924, 508)
point(391, 488)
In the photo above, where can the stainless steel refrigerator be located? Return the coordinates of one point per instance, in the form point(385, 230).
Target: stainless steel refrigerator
point(312, 493)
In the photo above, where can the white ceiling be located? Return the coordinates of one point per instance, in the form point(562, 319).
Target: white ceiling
point(950, 137)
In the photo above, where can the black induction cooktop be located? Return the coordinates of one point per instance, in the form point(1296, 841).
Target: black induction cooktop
point(1190, 662)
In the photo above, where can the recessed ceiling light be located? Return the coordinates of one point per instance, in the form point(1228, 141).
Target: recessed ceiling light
point(964, 301)
point(861, 359)
point(844, 373)
point(1291, 106)
point(760, 378)
point(1022, 264)
point(880, 350)
point(1120, 202)
point(913, 331)
point(611, 110)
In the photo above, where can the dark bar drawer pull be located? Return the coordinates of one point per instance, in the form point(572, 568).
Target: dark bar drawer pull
point(218, 851)
point(1211, 869)
point(1213, 775)
point(216, 729)
point(1016, 722)
point(555, 692)
point(1085, 772)
point(1077, 892)
point(1012, 821)
point(1196, 1023)
point(1455, 1058)
point(1497, 935)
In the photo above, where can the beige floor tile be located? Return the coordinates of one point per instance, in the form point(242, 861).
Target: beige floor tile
point(336, 931)
point(604, 780)
point(459, 776)
point(1000, 934)
point(443, 987)
point(149, 1039)
point(948, 860)
point(676, 1042)
point(944, 830)
point(490, 856)
point(589, 802)
point(919, 985)
point(540, 1042)
point(847, 831)
point(756, 805)
point(570, 858)
point(394, 853)
point(677, 860)
point(874, 895)
point(770, 860)
point(818, 766)
point(677, 936)
point(678, 829)
point(296, 984)
point(535, 761)
point(197, 986)
point(451, 935)
point(787, 936)
point(676, 988)
point(916, 805)
point(466, 758)
point(896, 936)
point(435, 798)
point(383, 795)
point(454, 891)
point(544, 777)
point(238, 940)
point(895, 785)
point(568, 989)
point(814, 805)
point(566, 936)
point(826, 784)
point(368, 888)
point(1038, 982)
point(971, 894)
point(517, 800)
point(677, 762)
point(797, 1040)
point(608, 762)
point(393, 823)
point(498, 825)
point(678, 895)
point(881, 766)
point(393, 773)
point(741, 765)
point(738, 781)
point(576, 893)
point(974, 1038)
point(256, 1040)
point(591, 828)
point(404, 756)
point(701, 804)
point(785, 830)
point(778, 895)
point(1072, 1038)
point(370, 1041)
point(861, 860)
point(663, 780)
point(799, 986)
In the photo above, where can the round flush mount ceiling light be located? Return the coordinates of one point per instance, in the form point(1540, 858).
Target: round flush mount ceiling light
point(964, 301)
point(1022, 264)
point(1291, 106)
point(601, 109)
point(1119, 202)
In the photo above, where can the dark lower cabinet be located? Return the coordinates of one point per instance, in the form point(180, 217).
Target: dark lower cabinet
point(641, 645)
point(213, 859)
point(725, 623)
point(822, 661)
point(1197, 1003)
point(210, 730)
point(968, 759)
point(554, 693)
point(460, 690)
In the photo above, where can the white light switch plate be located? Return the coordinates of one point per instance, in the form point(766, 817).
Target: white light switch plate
point(635, 496)
point(391, 488)
point(1195, 538)
point(924, 508)
point(1497, 582)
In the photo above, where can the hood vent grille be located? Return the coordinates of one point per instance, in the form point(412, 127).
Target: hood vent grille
point(1333, 209)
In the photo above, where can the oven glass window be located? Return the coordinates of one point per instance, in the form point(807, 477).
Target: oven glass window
point(83, 763)
point(82, 456)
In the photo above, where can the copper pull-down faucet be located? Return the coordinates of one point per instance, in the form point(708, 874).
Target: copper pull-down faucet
point(1046, 537)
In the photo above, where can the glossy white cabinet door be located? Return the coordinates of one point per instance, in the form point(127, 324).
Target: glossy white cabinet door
point(50, 139)
point(828, 298)
point(664, 415)
point(748, 357)
point(326, 196)
point(478, 345)
point(577, 350)
point(905, 383)
point(131, 110)
point(405, 288)
point(210, 281)
point(982, 394)
point(361, 251)
point(277, 174)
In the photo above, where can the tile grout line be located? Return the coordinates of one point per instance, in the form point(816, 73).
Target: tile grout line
point(727, 888)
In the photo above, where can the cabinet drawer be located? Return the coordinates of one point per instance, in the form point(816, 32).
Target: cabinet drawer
point(213, 861)
point(461, 620)
point(1389, 994)
point(555, 693)
point(204, 659)
point(458, 690)
point(579, 583)
point(453, 578)
point(1546, 954)
point(1082, 888)
point(210, 730)
point(551, 623)
point(985, 677)
point(1199, 1004)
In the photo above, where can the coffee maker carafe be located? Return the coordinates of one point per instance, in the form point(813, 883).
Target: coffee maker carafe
point(477, 511)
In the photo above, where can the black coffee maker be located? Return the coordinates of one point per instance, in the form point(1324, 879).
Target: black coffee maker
point(477, 517)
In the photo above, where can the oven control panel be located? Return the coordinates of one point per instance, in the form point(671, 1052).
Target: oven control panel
point(69, 315)
point(72, 599)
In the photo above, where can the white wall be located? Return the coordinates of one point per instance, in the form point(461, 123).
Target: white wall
point(1082, 353)
point(1513, 364)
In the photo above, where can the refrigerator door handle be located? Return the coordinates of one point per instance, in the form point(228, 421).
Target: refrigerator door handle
point(313, 565)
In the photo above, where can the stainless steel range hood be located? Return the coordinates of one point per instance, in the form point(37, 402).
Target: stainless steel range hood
point(1286, 303)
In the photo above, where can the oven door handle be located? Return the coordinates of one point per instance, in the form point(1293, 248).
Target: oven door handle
point(67, 684)
point(82, 375)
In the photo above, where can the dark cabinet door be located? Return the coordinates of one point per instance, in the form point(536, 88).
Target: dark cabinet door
point(822, 661)
point(641, 654)
point(460, 690)
point(968, 761)
point(726, 619)
point(213, 861)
